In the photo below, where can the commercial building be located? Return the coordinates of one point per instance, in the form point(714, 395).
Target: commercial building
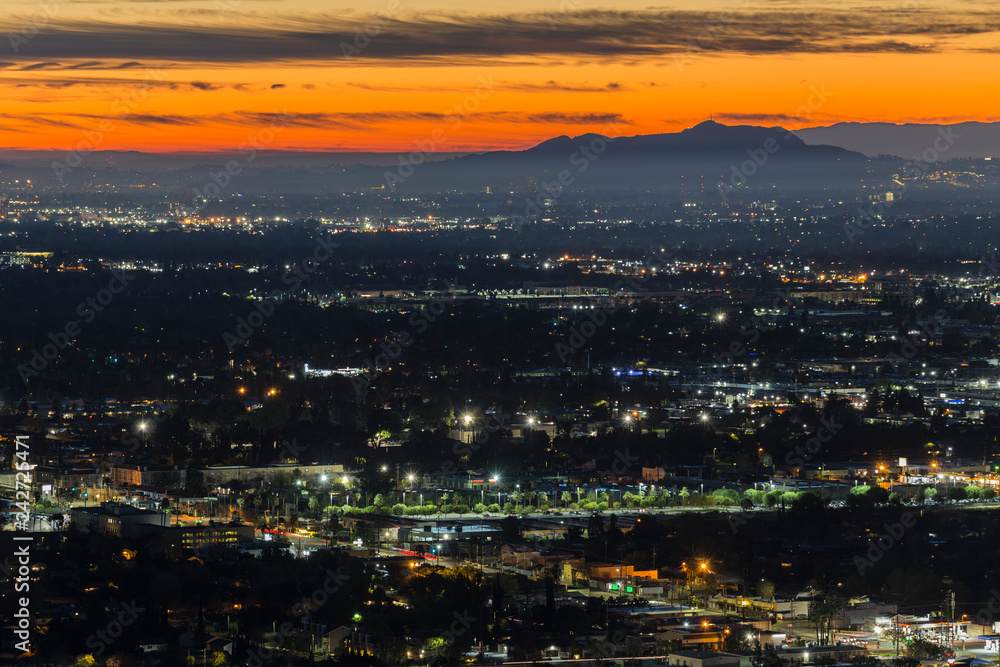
point(147, 475)
point(887, 291)
point(115, 519)
point(707, 659)
point(176, 539)
point(836, 654)
point(311, 472)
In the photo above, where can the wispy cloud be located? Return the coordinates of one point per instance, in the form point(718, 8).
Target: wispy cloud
point(547, 87)
point(37, 66)
point(554, 87)
point(761, 118)
point(590, 33)
point(333, 120)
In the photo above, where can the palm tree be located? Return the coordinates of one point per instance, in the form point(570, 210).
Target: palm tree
point(566, 498)
point(515, 497)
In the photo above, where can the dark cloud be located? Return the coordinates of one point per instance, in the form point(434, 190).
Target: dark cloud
point(201, 85)
point(277, 85)
point(760, 118)
point(547, 87)
point(161, 119)
point(356, 121)
point(42, 120)
point(89, 82)
point(506, 38)
point(552, 86)
point(86, 64)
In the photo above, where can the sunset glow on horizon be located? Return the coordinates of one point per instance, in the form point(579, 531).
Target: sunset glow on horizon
point(305, 75)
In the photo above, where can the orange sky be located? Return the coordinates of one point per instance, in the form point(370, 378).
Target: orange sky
point(182, 75)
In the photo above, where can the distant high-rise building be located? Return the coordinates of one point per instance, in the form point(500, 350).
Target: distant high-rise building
point(887, 290)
